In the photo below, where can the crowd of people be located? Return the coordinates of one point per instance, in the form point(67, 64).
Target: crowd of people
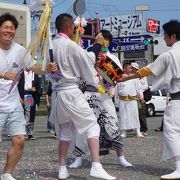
point(88, 113)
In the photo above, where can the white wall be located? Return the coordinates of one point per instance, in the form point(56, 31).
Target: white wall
point(22, 13)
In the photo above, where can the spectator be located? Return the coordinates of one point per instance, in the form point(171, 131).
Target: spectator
point(142, 109)
point(50, 126)
point(126, 97)
point(32, 87)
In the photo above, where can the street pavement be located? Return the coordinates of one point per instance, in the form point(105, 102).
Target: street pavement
point(40, 157)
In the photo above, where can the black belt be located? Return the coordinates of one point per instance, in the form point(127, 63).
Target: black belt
point(90, 88)
point(175, 96)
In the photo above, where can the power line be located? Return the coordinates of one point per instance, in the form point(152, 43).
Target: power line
point(70, 9)
point(90, 13)
point(128, 10)
point(58, 4)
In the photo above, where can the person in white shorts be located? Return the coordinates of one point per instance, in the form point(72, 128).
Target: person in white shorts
point(11, 111)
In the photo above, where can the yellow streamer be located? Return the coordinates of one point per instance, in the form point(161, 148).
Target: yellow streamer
point(41, 36)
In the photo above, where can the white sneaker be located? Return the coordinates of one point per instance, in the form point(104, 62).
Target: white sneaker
point(77, 163)
point(173, 175)
point(63, 173)
point(97, 171)
point(123, 162)
point(7, 176)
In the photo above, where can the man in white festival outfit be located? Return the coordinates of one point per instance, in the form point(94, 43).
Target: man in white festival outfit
point(166, 72)
point(70, 109)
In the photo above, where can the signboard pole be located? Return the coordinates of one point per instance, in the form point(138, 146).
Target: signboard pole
point(119, 42)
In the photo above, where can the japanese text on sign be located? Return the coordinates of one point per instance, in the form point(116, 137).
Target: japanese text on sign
point(126, 25)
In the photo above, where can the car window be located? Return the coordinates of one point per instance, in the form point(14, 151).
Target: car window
point(155, 93)
point(164, 93)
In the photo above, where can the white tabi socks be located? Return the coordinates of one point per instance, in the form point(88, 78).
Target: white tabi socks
point(123, 133)
point(97, 171)
point(139, 135)
point(7, 176)
point(173, 175)
point(63, 173)
point(123, 162)
point(77, 163)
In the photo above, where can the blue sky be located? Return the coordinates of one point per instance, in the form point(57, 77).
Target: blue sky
point(162, 10)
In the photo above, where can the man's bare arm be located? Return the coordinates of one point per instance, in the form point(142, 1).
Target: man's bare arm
point(145, 71)
point(50, 68)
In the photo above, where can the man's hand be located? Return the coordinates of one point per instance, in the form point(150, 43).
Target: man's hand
point(52, 67)
point(48, 105)
point(10, 75)
point(21, 101)
point(142, 100)
point(99, 39)
point(33, 89)
point(123, 78)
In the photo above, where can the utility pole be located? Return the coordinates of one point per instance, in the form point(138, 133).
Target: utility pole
point(97, 23)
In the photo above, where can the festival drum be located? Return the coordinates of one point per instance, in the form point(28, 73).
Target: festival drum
point(79, 7)
point(108, 69)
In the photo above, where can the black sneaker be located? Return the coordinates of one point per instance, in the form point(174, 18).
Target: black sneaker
point(144, 133)
point(31, 137)
point(55, 136)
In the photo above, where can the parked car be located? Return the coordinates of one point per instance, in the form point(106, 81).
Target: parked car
point(157, 103)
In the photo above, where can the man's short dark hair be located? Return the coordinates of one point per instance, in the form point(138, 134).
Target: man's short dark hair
point(172, 27)
point(126, 64)
point(8, 17)
point(107, 35)
point(62, 20)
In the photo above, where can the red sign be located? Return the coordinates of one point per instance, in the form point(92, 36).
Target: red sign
point(153, 26)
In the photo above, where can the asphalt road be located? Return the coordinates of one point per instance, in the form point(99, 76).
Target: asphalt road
point(40, 158)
